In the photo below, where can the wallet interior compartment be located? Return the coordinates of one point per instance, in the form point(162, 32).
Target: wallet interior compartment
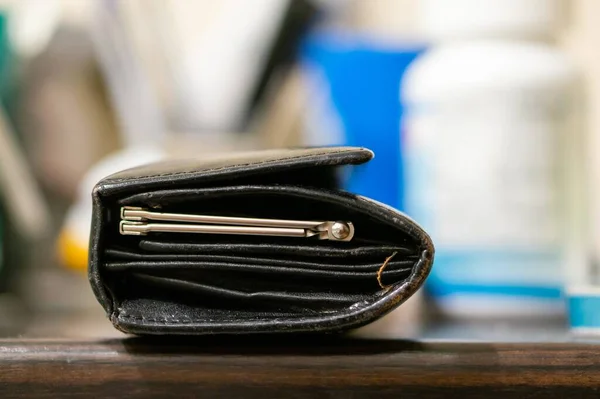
point(269, 202)
point(317, 253)
point(237, 271)
point(275, 259)
point(228, 285)
point(309, 277)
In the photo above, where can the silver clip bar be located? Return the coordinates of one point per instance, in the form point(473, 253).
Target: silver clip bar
point(134, 222)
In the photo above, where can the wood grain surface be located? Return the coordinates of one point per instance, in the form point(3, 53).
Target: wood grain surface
point(295, 367)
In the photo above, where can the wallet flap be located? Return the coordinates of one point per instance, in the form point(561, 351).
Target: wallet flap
point(231, 165)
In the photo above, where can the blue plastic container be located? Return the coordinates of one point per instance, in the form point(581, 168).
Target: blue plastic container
point(354, 98)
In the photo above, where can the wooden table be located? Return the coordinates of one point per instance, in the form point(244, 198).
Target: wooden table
point(296, 367)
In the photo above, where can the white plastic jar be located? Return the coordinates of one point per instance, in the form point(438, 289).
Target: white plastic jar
point(490, 130)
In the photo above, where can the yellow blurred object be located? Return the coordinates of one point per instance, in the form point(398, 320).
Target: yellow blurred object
point(72, 252)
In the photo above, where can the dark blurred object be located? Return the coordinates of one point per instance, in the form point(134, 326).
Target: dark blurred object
point(296, 22)
point(25, 218)
point(201, 67)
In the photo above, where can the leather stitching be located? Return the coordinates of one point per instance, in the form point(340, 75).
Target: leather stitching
point(164, 320)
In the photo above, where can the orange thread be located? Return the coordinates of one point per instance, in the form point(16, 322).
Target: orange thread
point(380, 271)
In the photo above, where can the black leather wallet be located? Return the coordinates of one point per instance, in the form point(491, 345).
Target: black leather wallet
point(252, 243)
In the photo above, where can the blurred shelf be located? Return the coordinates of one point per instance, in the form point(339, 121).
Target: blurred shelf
point(296, 367)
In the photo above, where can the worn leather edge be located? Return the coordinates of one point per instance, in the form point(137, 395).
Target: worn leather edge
point(98, 287)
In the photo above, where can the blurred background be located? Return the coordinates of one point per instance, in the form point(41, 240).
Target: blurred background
point(484, 116)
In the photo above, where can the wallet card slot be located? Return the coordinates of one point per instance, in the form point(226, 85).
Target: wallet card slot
point(227, 297)
point(250, 280)
point(345, 264)
point(285, 271)
point(260, 273)
point(329, 252)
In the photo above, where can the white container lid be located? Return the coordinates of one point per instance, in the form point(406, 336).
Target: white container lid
point(450, 19)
